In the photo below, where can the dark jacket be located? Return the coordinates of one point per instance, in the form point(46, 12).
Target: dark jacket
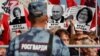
point(18, 21)
point(62, 19)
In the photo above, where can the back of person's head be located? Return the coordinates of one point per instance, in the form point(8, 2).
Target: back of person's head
point(37, 12)
point(64, 36)
point(60, 31)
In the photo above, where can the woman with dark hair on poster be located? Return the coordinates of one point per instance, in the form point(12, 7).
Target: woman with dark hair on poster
point(18, 18)
point(84, 15)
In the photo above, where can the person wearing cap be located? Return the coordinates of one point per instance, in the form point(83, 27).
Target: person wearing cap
point(37, 41)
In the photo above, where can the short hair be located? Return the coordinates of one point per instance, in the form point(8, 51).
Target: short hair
point(58, 5)
point(89, 14)
point(36, 6)
point(32, 7)
point(60, 31)
point(17, 8)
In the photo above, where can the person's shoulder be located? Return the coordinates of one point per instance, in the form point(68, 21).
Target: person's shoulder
point(56, 37)
point(26, 34)
point(62, 17)
point(13, 21)
point(50, 20)
point(22, 36)
point(44, 33)
point(57, 40)
point(51, 17)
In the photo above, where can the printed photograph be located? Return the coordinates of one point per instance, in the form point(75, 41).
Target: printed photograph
point(49, 28)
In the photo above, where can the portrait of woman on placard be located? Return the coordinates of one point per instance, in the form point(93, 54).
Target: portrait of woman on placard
point(84, 15)
point(18, 18)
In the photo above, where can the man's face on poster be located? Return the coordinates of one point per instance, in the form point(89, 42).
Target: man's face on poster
point(83, 16)
point(57, 12)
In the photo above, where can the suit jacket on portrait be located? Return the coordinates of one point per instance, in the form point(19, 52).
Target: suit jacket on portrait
point(18, 21)
point(61, 19)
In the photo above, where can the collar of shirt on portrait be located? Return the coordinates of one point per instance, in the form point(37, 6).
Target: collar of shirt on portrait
point(57, 21)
